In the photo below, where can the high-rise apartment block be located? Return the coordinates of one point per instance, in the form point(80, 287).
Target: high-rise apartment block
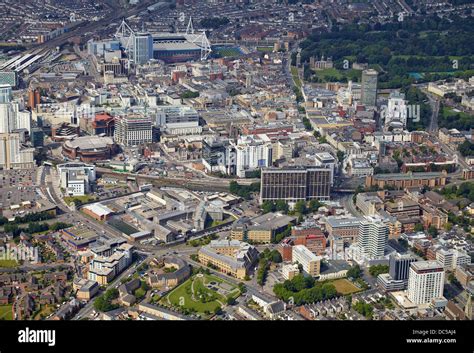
point(369, 87)
point(142, 48)
point(252, 153)
point(425, 281)
point(12, 154)
point(133, 130)
point(373, 236)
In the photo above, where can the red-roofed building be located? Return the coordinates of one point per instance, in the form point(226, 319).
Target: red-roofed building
point(99, 124)
point(302, 232)
point(103, 124)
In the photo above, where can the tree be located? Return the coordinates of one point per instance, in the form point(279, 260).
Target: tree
point(340, 156)
point(322, 140)
point(304, 289)
point(364, 309)
point(230, 301)
point(314, 205)
point(104, 302)
point(276, 257)
point(418, 227)
point(189, 94)
point(433, 231)
point(282, 206)
point(263, 266)
point(59, 225)
point(466, 148)
point(378, 269)
point(354, 272)
point(268, 206)
point(300, 207)
point(243, 191)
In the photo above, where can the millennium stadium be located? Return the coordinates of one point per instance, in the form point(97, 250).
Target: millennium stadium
point(168, 47)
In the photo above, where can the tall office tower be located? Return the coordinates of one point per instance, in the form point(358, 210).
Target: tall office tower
point(397, 278)
point(425, 281)
point(12, 155)
point(369, 88)
point(5, 94)
point(292, 184)
point(397, 112)
point(37, 137)
point(23, 120)
point(399, 266)
point(8, 78)
point(253, 152)
point(373, 236)
point(133, 130)
point(218, 156)
point(142, 50)
point(7, 110)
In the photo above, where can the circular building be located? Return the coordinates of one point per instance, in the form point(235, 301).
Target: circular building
point(90, 148)
point(172, 271)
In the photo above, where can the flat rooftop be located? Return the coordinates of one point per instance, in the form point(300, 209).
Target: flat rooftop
point(427, 266)
point(272, 220)
point(336, 222)
point(408, 176)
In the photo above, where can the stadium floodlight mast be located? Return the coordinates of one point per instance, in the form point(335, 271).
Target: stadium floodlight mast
point(199, 39)
point(126, 36)
point(205, 46)
point(190, 29)
point(202, 42)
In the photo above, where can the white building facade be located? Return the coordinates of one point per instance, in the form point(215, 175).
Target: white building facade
point(425, 281)
point(373, 237)
point(252, 153)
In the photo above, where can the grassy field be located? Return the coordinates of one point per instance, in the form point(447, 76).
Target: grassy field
point(6, 312)
point(447, 112)
point(337, 74)
point(265, 49)
point(195, 296)
point(344, 286)
point(228, 51)
point(8, 263)
point(82, 199)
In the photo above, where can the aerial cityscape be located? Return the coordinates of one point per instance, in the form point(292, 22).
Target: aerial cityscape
point(302, 160)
